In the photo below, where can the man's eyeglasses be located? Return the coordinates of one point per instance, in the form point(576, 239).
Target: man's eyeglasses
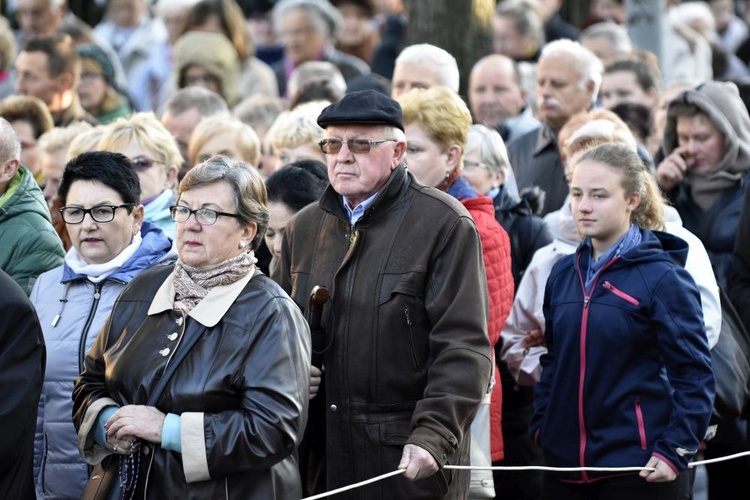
point(141, 163)
point(356, 146)
point(99, 213)
point(204, 216)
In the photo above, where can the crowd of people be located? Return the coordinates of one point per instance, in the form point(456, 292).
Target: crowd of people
point(264, 249)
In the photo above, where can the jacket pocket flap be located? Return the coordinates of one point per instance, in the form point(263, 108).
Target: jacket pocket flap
point(395, 433)
point(411, 283)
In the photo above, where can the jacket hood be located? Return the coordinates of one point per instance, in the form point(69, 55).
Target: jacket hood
point(213, 52)
point(154, 248)
point(654, 246)
point(561, 224)
point(721, 102)
point(27, 198)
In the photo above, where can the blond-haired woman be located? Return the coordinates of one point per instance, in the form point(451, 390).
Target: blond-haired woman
point(154, 152)
point(221, 135)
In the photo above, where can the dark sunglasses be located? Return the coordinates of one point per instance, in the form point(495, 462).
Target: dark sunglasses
point(141, 163)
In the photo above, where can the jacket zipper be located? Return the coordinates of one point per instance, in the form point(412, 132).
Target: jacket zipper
point(641, 424)
point(87, 326)
point(411, 339)
point(582, 352)
point(609, 286)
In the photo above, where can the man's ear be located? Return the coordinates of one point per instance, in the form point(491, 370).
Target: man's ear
point(8, 170)
point(398, 154)
point(65, 81)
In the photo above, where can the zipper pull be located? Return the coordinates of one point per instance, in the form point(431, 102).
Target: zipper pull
point(586, 301)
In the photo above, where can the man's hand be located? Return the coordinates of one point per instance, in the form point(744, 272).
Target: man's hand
point(671, 170)
point(662, 474)
point(533, 338)
point(315, 378)
point(418, 462)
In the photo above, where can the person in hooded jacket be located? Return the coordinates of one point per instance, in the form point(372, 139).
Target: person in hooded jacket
point(626, 380)
point(112, 243)
point(707, 165)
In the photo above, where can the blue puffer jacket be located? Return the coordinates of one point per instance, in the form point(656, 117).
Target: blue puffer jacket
point(628, 371)
point(71, 311)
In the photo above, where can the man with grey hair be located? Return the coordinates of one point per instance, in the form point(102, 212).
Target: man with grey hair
point(39, 17)
point(29, 244)
point(422, 66)
point(307, 29)
point(609, 41)
point(568, 79)
point(182, 113)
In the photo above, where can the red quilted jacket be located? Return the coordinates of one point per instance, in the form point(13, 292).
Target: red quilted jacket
point(496, 251)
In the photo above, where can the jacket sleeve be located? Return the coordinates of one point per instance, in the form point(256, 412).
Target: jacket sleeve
point(526, 315)
point(90, 396)
point(739, 283)
point(543, 387)
point(456, 302)
point(22, 365)
point(684, 348)
point(38, 250)
point(274, 385)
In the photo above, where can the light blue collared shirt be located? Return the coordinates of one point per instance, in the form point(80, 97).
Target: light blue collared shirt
point(359, 210)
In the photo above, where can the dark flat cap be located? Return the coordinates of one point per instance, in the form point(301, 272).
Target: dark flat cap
point(366, 107)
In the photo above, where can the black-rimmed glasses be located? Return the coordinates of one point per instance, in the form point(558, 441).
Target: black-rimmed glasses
point(204, 216)
point(356, 146)
point(99, 213)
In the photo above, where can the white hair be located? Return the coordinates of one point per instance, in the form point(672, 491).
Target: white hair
point(324, 17)
point(689, 12)
point(446, 63)
point(589, 66)
point(10, 145)
point(615, 35)
point(165, 7)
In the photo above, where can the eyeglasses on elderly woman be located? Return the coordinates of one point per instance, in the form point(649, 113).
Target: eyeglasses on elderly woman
point(99, 213)
point(204, 216)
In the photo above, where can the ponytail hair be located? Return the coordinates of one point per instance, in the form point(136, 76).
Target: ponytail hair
point(636, 178)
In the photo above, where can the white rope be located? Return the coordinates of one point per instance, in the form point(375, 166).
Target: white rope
point(551, 469)
point(356, 485)
point(523, 468)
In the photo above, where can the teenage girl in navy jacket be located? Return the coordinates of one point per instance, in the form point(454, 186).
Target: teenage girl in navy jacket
point(627, 380)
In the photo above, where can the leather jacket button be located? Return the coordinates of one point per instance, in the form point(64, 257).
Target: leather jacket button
point(172, 336)
point(165, 351)
point(146, 449)
point(178, 321)
point(334, 408)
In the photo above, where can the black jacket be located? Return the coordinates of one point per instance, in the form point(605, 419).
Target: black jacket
point(528, 232)
point(242, 390)
point(22, 362)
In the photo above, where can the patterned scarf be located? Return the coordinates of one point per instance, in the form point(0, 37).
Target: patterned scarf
point(192, 284)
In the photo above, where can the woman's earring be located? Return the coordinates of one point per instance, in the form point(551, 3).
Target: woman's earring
point(242, 244)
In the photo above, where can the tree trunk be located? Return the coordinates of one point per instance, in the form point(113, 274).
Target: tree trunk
point(462, 27)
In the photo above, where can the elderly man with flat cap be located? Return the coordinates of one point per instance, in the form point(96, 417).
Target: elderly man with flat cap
point(407, 357)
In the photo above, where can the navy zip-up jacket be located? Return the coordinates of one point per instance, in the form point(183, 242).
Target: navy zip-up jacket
point(628, 373)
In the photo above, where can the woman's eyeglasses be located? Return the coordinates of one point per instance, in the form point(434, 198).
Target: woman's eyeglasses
point(141, 163)
point(99, 213)
point(204, 216)
point(356, 146)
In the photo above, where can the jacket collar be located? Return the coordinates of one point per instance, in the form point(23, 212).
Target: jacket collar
point(545, 138)
point(391, 192)
point(210, 310)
